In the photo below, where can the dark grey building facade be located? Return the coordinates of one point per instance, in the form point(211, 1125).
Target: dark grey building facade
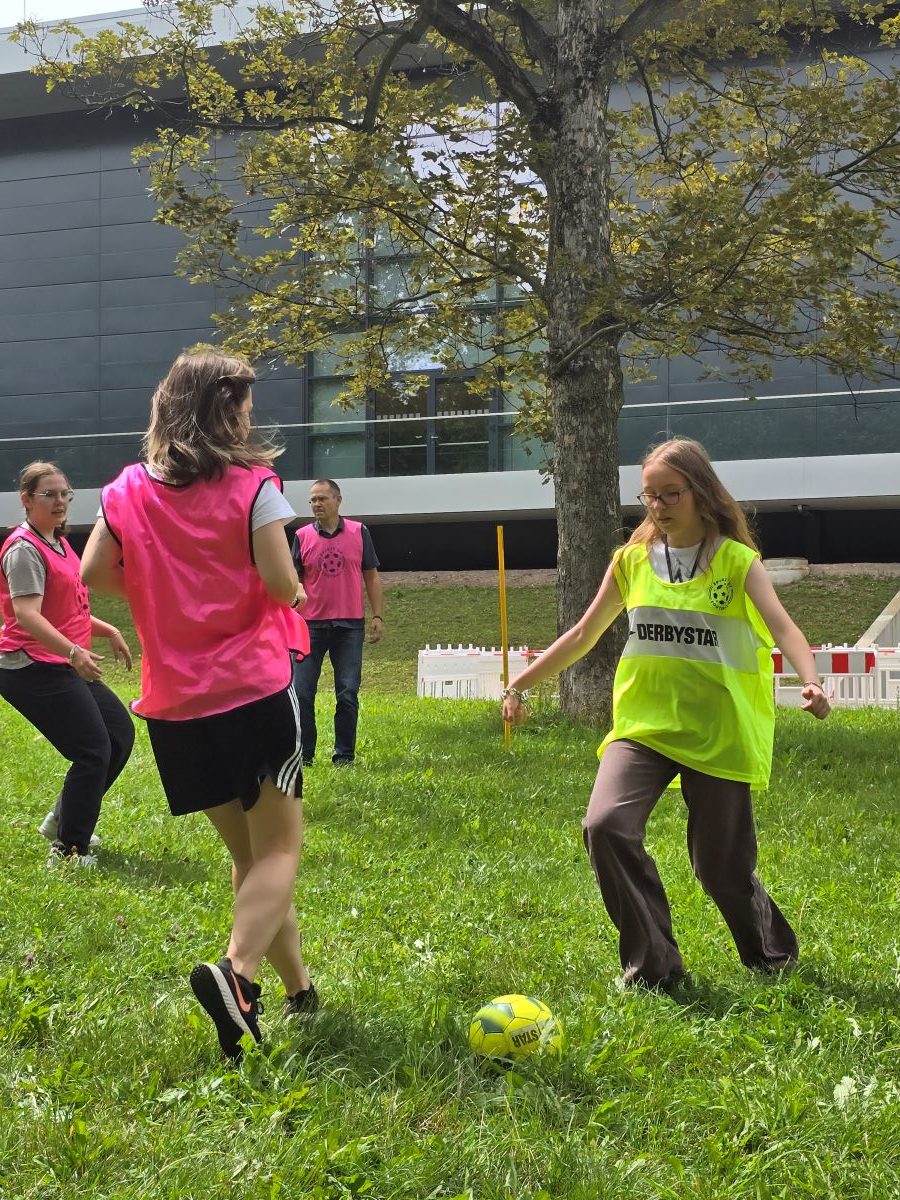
point(92, 314)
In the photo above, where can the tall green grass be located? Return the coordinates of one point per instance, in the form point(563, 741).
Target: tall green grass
point(440, 871)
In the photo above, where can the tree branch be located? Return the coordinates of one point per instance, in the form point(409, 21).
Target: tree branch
point(463, 31)
point(534, 35)
point(652, 14)
point(403, 38)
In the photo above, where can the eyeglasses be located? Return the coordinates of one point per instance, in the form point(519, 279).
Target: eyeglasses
point(667, 499)
point(67, 495)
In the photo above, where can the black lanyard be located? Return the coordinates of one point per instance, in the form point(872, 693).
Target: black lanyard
point(672, 578)
point(57, 549)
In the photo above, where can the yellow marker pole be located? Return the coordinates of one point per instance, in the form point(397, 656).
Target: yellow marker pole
point(504, 635)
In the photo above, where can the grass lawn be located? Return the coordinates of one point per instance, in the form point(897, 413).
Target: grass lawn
point(438, 872)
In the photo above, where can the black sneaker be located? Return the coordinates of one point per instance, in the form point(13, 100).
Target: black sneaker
point(302, 1004)
point(231, 1001)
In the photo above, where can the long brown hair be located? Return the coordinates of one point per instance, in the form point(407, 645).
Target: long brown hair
point(716, 507)
point(31, 476)
point(196, 429)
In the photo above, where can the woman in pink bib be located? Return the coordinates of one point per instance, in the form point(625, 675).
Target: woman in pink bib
point(47, 668)
point(194, 539)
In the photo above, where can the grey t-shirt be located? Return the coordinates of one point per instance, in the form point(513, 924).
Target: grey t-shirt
point(26, 573)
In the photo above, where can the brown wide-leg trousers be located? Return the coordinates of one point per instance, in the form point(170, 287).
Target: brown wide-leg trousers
point(722, 847)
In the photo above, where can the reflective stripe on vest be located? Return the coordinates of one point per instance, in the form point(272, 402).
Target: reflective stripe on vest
point(703, 637)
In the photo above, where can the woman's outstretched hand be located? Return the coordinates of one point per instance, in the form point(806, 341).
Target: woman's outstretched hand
point(815, 701)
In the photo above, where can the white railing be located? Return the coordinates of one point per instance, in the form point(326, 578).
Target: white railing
point(853, 676)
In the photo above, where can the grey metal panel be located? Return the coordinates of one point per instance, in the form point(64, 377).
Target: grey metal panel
point(118, 153)
point(854, 429)
point(647, 392)
point(38, 377)
point(45, 155)
point(160, 289)
point(28, 327)
point(125, 210)
point(63, 188)
point(41, 217)
point(750, 433)
point(81, 269)
point(638, 434)
point(60, 243)
point(133, 375)
point(276, 400)
point(140, 264)
point(58, 298)
point(149, 347)
point(125, 408)
point(146, 318)
point(124, 181)
point(141, 236)
point(50, 352)
point(59, 413)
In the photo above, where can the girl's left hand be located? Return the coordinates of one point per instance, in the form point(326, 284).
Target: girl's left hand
point(120, 648)
point(815, 701)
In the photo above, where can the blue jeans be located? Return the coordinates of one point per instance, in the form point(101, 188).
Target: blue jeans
point(344, 645)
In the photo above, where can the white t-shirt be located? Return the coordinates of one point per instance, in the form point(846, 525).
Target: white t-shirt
point(682, 559)
point(269, 505)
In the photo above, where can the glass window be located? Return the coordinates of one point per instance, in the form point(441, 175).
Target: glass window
point(461, 430)
point(401, 432)
point(324, 412)
point(334, 456)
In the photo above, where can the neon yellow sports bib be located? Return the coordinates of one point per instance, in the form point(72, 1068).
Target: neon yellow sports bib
point(695, 678)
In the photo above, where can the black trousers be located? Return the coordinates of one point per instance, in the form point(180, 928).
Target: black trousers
point(722, 847)
point(88, 724)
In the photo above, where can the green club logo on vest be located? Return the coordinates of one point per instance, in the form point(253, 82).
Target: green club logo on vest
point(721, 593)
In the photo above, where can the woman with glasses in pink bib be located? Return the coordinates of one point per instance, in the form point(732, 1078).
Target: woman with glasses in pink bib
point(48, 671)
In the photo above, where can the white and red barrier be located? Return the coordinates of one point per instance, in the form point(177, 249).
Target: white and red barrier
point(468, 673)
point(851, 677)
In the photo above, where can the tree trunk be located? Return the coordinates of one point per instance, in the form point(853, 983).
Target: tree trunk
point(585, 386)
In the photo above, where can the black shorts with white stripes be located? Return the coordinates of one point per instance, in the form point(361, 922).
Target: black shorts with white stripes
point(209, 761)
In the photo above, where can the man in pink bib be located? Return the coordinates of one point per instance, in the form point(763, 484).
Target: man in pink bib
point(334, 557)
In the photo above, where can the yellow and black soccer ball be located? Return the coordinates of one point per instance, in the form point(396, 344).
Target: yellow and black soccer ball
point(514, 1027)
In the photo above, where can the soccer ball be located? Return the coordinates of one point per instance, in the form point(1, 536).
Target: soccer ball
point(515, 1027)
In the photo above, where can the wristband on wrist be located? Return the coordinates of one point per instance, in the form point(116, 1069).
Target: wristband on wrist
point(74, 651)
point(522, 697)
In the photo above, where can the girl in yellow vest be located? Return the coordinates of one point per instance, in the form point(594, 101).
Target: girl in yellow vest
point(693, 697)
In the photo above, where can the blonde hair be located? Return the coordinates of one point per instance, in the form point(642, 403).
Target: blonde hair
point(31, 476)
point(716, 507)
point(196, 430)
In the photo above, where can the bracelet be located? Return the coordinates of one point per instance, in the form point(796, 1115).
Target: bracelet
point(375, 617)
point(74, 651)
point(522, 697)
point(296, 600)
point(815, 683)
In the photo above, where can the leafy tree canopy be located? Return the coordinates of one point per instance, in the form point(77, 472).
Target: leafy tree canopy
point(751, 183)
point(542, 188)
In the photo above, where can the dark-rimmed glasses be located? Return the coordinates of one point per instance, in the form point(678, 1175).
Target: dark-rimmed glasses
point(667, 498)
